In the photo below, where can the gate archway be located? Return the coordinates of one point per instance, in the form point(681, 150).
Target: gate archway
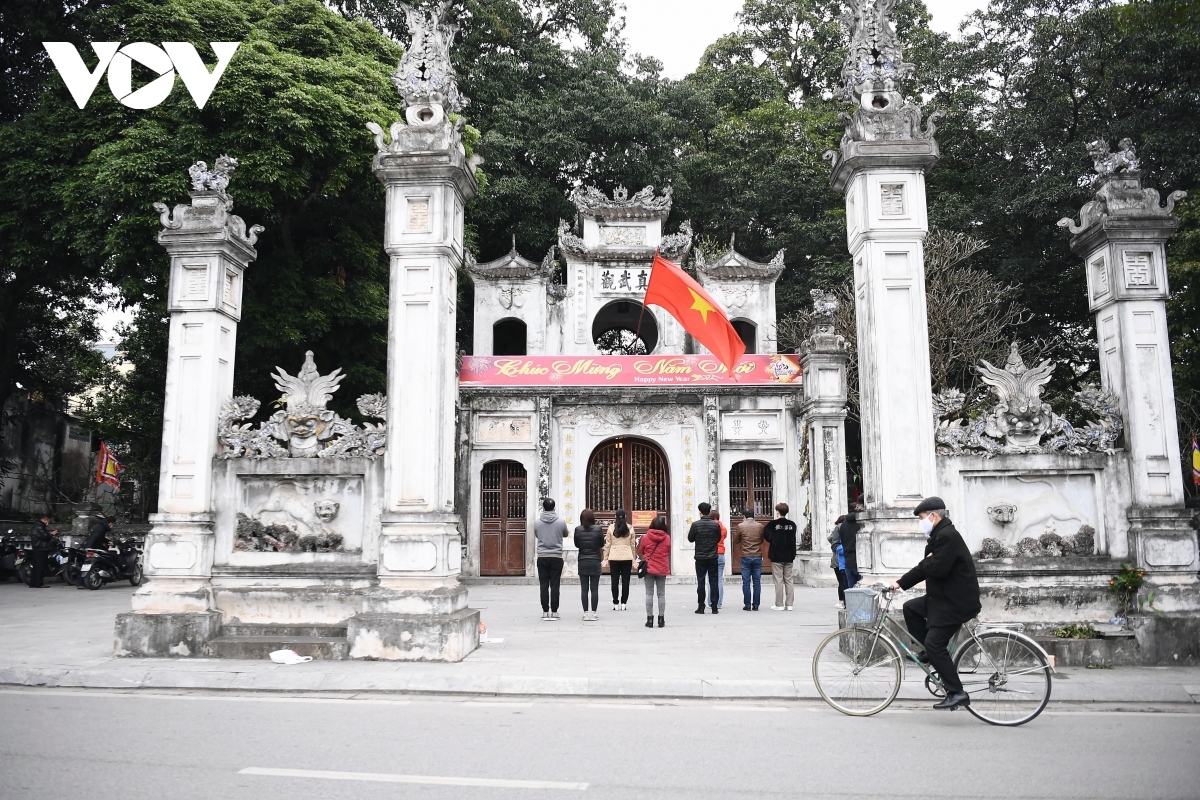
point(751, 487)
point(502, 518)
point(629, 473)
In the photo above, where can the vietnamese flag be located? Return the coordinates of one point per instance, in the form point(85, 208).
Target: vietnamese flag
point(684, 299)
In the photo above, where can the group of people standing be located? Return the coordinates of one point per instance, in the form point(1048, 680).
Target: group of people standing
point(618, 548)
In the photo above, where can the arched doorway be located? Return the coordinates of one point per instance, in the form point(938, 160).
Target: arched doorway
point(502, 518)
point(628, 473)
point(625, 328)
point(747, 331)
point(751, 487)
point(508, 338)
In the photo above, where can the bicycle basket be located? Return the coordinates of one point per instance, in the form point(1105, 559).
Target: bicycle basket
point(862, 606)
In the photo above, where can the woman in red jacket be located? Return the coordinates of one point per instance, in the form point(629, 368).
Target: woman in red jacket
point(655, 550)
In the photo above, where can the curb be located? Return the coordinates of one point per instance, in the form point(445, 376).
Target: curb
point(160, 675)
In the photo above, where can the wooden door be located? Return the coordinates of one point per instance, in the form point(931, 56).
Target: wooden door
point(629, 474)
point(503, 519)
point(751, 485)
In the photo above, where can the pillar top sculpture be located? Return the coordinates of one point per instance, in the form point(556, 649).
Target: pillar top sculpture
point(885, 128)
point(1120, 196)
point(874, 67)
point(211, 207)
point(425, 76)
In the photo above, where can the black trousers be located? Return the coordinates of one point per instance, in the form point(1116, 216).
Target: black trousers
point(37, 566)
point(707, 567)
point(619, 572)
point(589, 584)
point(841, 579)
point(937, 641)
point(549, 575)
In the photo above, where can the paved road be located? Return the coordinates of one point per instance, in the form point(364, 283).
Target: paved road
point(57, 743)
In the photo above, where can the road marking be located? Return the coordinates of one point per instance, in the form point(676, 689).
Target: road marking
point(434, 780)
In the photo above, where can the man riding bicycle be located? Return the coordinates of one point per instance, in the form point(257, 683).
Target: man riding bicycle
point(951, 596)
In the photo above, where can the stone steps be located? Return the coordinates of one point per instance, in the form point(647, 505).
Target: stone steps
point(328, 631)
point(261, 647)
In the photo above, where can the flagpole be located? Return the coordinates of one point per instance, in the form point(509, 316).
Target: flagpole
point(642, 313)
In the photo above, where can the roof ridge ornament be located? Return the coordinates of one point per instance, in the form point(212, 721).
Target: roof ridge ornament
point(591, 199)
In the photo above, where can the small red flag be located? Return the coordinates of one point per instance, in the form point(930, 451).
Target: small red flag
point(683, 298)
point(108, 469)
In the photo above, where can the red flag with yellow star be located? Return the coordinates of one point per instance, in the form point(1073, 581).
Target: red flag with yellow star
point(675, 291)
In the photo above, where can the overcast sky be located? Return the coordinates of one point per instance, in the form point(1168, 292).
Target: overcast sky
point(677, 31)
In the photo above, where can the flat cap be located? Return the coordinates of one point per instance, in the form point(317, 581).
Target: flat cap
point(929, 504)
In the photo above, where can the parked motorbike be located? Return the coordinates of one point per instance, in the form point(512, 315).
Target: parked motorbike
point(8, 556)
point(22, 565)
point(103, 566)
point(67, 561)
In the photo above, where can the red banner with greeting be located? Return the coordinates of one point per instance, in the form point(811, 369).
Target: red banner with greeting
point(756, 370)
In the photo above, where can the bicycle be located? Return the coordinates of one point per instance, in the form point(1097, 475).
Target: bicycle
point(859, 670)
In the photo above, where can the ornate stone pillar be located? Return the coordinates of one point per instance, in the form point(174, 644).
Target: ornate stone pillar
point(420, 610)
point(1122, 238)
point(823, 362)
point(210, 249)
point(712, 430)
point(881, 169)
point(545, 407)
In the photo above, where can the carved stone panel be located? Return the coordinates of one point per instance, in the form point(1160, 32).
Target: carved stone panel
point(1139, 271)
point(892, 199)
point(300, 513)
point(623, 235)
point(1033, 505)
point(742, 426)
point(503, 429)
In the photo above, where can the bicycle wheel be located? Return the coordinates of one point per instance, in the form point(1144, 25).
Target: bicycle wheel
point(1006, 677)
point(856, 672)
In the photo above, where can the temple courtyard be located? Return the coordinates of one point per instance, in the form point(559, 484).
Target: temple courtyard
point(64, 638)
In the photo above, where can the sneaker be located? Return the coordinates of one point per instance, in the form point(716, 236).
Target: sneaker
point(777, 608)
point(546, 616)
point(788, 608)
point(624, 607)
point(745, 608)
point(754, 608)
point(554, 617)
point(839, 605)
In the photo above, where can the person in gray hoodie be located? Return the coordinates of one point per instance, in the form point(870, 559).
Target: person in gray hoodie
point(550, 529)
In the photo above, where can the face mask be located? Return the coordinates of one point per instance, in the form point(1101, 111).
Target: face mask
point(926, 526)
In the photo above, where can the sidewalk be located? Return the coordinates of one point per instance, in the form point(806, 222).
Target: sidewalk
point(64, 637)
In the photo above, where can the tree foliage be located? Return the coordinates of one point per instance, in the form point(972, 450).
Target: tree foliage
point(560, 102)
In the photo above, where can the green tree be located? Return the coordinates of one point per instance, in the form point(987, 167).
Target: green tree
point(291, 107)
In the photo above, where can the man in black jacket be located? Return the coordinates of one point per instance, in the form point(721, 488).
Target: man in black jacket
point(41, 537)
point(706, 533)
point(951, 596)
point(780, 533)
